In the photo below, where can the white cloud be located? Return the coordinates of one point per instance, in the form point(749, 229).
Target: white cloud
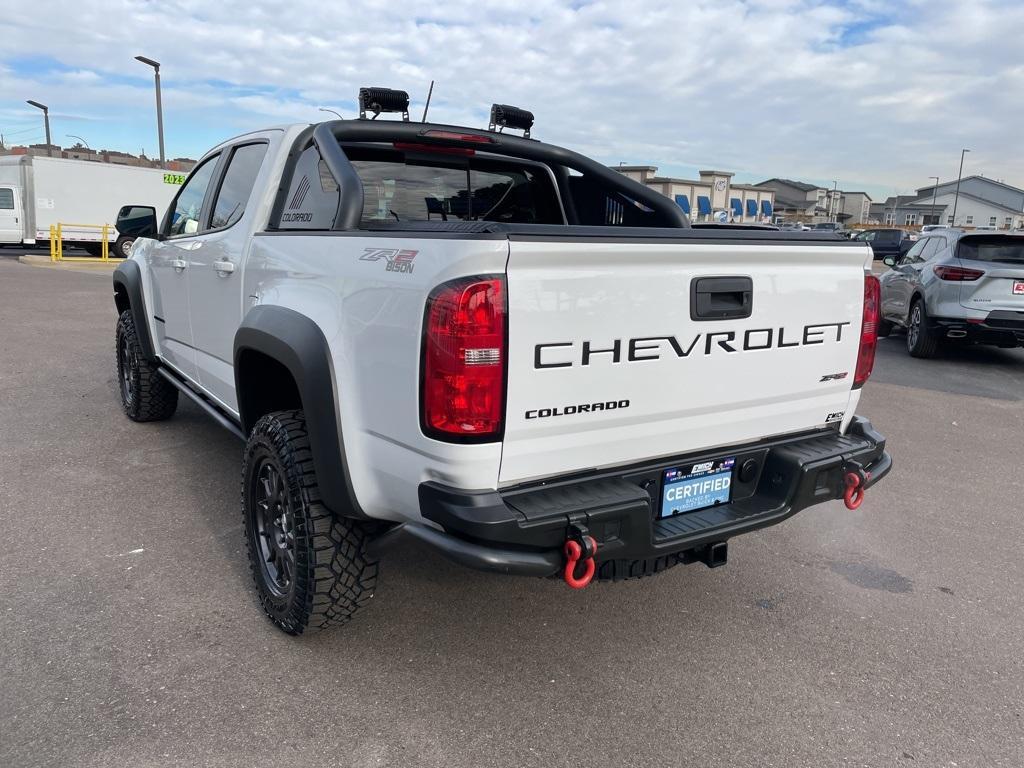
point(878, 95)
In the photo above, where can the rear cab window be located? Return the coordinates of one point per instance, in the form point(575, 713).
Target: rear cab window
point(412, 187)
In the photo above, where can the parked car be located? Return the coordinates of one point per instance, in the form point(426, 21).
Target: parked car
point(440, 332)
point(956, 285)
point(887, 242)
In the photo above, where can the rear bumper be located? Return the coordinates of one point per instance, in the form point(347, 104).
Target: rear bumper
point(522, 530)
point(999, 327)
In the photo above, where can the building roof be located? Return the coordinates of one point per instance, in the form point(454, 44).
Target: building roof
point(716, 173)
point(925, 202)
point(795, 184)
point(651, 168)
point(922, 190)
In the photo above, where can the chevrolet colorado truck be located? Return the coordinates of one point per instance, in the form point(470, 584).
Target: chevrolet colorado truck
point(502, 348)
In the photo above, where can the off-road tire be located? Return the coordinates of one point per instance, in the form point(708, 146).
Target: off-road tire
point(922, 340)
point(145, 394)
point(331, 575)
point(885, 327)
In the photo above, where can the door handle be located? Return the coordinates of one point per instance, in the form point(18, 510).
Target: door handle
point(224, 268)
point(179, 264)
point(721, 298)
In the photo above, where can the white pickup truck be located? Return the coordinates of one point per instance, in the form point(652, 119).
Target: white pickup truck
point(498, 346)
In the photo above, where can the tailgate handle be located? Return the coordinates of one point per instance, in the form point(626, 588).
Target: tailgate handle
point(721, 298)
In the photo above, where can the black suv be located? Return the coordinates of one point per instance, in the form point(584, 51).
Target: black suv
point(887, 242)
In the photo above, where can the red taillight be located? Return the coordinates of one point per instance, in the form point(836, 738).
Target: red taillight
point(868, 330)
point(958, 274)
point(464, 359)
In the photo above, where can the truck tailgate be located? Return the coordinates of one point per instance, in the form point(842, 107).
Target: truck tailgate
point(608, 365)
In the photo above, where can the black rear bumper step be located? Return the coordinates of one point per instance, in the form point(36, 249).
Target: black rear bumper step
point(522, 531)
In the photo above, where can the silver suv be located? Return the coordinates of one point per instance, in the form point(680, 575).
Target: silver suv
point(956, 285)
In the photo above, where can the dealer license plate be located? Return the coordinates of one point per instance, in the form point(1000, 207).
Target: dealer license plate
point(696, 486)
point(1018, 287)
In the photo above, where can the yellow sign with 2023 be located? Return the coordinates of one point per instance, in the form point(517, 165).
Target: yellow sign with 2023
point(174, 178)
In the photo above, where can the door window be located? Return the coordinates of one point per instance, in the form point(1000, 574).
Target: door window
point(188, 206)
point(931, 246)
point(6, 199)
point(914, 254)
point(239, 179)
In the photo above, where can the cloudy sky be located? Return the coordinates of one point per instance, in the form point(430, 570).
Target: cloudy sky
point(877, 95)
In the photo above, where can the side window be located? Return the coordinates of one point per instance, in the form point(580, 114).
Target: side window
point(931, 245)
point(914, 254)
point(6, 199)
point(940, 246)
point(239, 179)
point(867, 237)
point(189, 204)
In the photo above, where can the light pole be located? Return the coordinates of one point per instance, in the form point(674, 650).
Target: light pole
point(86, 143)
point(46, 120)
point(834, 210)
point(323, 109)
point(935, 191)
point(956, 198)
point(159, 109)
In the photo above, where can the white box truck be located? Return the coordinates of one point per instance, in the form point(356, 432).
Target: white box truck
point(37, 192)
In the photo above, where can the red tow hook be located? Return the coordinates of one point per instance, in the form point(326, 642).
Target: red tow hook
point(854, 479)
point(579, 546)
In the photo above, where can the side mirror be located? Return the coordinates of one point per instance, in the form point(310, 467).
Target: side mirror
point(889, 261)
point(137, 221)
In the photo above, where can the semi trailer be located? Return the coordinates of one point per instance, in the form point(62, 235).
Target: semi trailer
point(39, 192)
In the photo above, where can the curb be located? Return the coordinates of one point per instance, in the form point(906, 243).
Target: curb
point(68, 265)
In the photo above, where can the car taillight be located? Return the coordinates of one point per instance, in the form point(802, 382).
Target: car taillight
point(958, 274)
point(464, 360)
point(868, 330)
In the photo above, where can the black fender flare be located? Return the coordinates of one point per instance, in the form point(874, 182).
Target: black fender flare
point(128, 280)
point(297, 343)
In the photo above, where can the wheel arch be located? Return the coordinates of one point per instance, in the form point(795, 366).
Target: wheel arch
point(281, 356)
point(128, 296)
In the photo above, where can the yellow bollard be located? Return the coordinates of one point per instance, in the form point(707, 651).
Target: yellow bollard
point(105, 248)
point(60, 241)
point(53, 243)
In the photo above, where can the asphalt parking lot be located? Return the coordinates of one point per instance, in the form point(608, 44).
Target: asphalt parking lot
point(889, 636)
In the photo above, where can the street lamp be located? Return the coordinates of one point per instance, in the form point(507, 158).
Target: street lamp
point(86, 143)
point(159, 109)
point(956, 198)
point(833, 208)
point(935, 191)
point(322, 109)
point(46, 120)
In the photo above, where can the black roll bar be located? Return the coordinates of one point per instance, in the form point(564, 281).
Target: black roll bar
point(326, 136)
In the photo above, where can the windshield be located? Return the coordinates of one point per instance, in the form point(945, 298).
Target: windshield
point(998, 248)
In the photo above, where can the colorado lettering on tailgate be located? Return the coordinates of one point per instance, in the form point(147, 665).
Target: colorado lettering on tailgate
point(564, 354)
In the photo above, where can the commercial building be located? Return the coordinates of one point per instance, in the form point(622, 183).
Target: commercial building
point(81, 152)
point(982, 202)
point(812, 204)
point(712, 197)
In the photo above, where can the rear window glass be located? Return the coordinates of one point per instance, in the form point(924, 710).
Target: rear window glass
point(400, 189)
point(1008, 250)
point(7, 199)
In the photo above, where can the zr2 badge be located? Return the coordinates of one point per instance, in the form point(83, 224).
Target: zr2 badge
point(397, 259)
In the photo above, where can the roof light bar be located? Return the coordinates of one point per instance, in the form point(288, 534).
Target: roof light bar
point(379, 100)
point(506, 116)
